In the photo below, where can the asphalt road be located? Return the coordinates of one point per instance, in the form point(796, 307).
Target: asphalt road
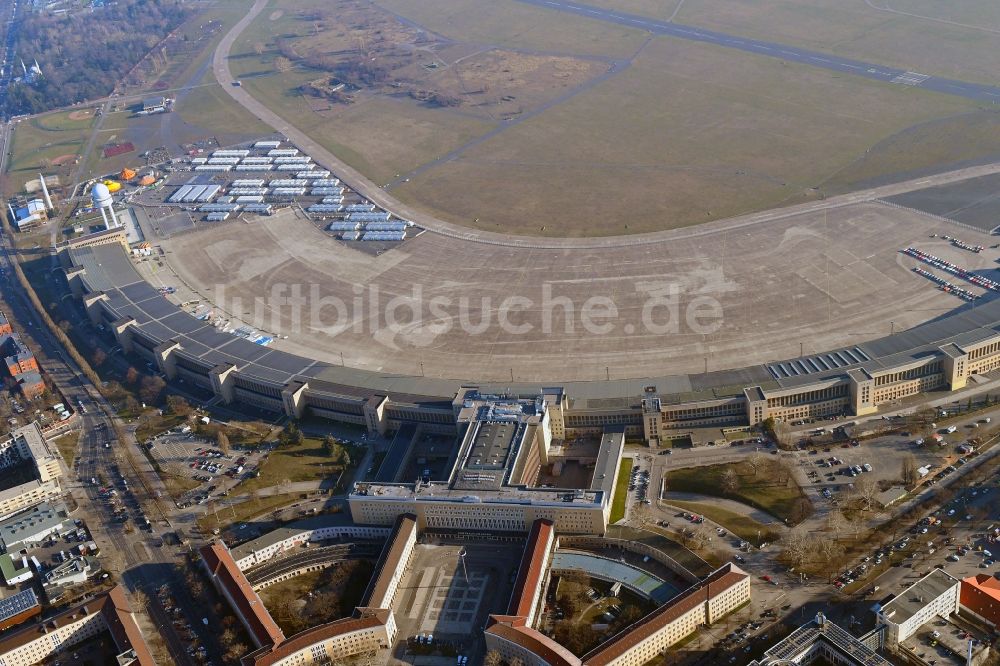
point(974, 91)
point(142, 563)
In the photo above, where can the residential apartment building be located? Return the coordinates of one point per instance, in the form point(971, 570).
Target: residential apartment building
point(108, 612)
point(38, 471)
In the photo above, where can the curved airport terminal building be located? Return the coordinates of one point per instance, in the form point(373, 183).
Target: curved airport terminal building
point(504, 433)
point(942, 354)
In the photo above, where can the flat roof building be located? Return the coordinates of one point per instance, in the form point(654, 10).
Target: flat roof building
point(936, 594)
point(27, 451)
point(14, 569)
point(28, 528)
point(504, 441)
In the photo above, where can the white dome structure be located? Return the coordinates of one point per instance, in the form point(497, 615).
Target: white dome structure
point(101, 196)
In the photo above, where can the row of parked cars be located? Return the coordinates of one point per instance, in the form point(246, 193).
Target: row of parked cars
point(183, 628)
point(639, 482)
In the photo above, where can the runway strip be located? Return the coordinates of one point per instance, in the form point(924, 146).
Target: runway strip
point(974, 91)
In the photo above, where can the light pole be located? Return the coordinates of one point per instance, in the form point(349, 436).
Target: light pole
point(461, 558)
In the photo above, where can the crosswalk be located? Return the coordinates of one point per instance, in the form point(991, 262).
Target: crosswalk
point(911, 78)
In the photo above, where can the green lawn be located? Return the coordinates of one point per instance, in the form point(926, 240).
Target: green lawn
point(58, 122)
point(67, 447)
point(245, 510)
point(771, 488)
point(742, 526)
point(212, 109)
point(621, 491)
point(290, 464)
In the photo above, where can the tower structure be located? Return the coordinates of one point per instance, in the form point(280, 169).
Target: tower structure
point(45, 192)
point(101, 197)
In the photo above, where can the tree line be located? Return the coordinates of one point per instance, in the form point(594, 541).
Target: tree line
point(83, 55)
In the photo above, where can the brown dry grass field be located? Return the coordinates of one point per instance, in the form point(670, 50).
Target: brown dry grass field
point(686, 135)
point(681, 134)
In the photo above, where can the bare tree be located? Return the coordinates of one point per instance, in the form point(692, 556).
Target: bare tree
point(801, 509)
point(282, 64)
point(856, 521)
point(730, 481)
point(866, 488)
point(493, 658)
point(836, 522)
point(779, 470)
point(908, 470)
point(783, 434)
point(795, 546)
point(222, 441)
point(829, 549)
point(234, 651)
point(699, 537)
point(640, 515)
point(756, 461)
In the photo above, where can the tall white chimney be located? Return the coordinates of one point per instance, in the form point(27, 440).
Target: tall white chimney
point(45, 191)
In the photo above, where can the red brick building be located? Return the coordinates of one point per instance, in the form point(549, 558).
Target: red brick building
point(30, 385)
point(16, 355)
point(980, 595)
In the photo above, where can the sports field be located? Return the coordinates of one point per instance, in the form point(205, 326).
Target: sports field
point(49, 143)
point(511, 117)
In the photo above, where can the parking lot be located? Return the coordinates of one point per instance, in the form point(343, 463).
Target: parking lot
point(834, 467)
point(186, 455)
point(638, 484)
point(441, 596)
point(962, 537)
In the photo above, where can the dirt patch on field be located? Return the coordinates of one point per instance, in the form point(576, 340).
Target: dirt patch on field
point(64, 159)
point(276, 14)
point(504, 84)
point(370, 51)
point(81, 115)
